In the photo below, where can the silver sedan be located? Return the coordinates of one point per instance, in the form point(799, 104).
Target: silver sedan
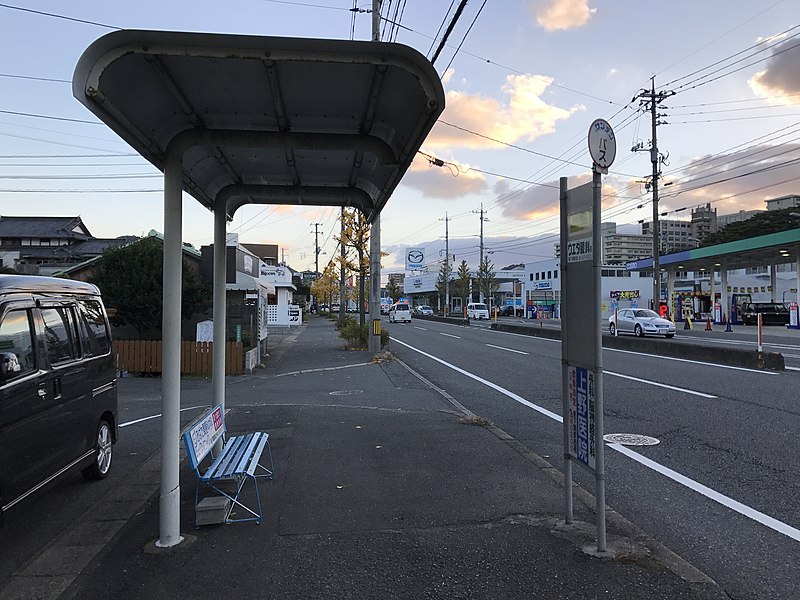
point(641, 322)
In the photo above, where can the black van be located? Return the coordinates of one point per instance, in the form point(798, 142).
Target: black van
point(58, 386)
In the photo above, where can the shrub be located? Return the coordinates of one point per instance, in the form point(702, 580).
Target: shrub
point(357, 336)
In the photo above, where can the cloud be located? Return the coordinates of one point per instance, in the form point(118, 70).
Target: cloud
point(771, 171)
point(555, 15)
point(782, 75)
point(444, 182)
point(523, 116)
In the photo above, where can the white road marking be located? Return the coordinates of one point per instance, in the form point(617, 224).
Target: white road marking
point(706, 491)
point(664, 385)
point(701, 489)
point(507, 349)
point(121, 425)
point(792, 368)
point(422, 328)
point(448, 335)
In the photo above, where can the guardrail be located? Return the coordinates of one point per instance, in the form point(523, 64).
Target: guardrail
point(451, 320)
point(735, 357)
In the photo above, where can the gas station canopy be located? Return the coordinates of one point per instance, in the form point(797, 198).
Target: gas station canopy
point(266, 120)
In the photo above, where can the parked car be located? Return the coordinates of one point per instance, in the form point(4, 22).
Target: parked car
point(58, 386)
point(400, 313)
point(477, 310)
point(641, 322)
point(506, 311)
point(772, 313)
point(424, 310)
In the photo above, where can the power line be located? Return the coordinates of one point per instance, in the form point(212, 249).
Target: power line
point(56, 16)
point(463, 39)
point(24, 114)
point(449, 30)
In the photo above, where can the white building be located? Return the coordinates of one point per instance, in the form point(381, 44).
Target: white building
point(783, 202)
point(543, 288)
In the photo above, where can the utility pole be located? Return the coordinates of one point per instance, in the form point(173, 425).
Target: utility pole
point(376, 20)
point(316, 259)
point(342, 254)
point(446, 264)
point(651, 99)
point(480, 261)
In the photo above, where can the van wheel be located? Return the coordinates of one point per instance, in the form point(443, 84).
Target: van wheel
point(102, 453)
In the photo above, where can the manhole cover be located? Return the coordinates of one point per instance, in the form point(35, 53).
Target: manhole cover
point(631, 439)
point(346, 392)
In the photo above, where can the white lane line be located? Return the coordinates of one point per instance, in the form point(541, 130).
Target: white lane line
point(663, 385)
point(494, 386)
point(121, 425)
point(422, 328)
point(791, 355)
point(694, 362)
point(448, 335)
point(701, 489)
point(522, 335)
point(792, 368)
point(506, 349)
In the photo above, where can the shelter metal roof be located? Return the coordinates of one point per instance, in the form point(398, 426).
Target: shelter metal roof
point(777, 248)
point(266, 120)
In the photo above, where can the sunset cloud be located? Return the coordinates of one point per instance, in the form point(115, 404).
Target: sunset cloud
point(782, 75)
point(555, 15)
point(523, 115)
point(769, 172)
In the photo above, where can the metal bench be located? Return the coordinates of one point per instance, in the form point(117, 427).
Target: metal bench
point(239, 461)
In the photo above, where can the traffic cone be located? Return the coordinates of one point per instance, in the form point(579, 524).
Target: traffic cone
point(708, 324)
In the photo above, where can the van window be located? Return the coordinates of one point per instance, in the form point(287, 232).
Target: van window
point(16, 339)
point(60, 334)
point(402, 307)
point(95, 333)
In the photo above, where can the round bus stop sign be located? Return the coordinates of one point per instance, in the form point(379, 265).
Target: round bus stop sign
point(602, 143)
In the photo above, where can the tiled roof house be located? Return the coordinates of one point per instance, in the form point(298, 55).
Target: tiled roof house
point(46, 245)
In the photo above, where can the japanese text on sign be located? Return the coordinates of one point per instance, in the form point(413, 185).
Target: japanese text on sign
point(206, 433)
point(579, 250)
point(582, 432)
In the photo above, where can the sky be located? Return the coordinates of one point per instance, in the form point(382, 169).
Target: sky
point(524, 79)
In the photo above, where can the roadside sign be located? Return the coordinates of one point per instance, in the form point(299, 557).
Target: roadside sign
point(602, 143)
point(582, 432)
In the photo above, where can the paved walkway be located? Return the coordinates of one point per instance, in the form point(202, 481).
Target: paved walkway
point(385, 489)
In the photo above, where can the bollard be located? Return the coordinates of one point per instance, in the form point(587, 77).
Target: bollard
point(708, 324)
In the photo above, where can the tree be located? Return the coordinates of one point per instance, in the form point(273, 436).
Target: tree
point(394, 290)
point(461, 283)
point(771, 221)
point(327, 285)
point(131, 281)
point(486, 279)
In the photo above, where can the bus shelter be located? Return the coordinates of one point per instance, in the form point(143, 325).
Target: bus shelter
point(234, 120)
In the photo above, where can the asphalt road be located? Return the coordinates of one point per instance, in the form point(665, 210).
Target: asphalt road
point(32, 525)
point(722, 486)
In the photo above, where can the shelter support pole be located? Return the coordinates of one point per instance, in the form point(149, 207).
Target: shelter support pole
point(712, 289)
point(773, 282)
point(219, 298)
point(723, 293)
point(797, 273)
point(375, 286)
point(670, 293)
point(169, 502)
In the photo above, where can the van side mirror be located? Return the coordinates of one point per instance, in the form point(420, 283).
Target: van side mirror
point(9, 365)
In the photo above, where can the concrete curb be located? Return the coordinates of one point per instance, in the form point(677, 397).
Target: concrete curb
point(735, 357)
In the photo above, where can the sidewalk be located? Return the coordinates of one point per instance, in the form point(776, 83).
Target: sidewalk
point(383, 490)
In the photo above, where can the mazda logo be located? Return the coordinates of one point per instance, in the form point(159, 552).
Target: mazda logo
point(415, 256)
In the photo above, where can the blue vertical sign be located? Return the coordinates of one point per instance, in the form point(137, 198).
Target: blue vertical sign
point(581, 416)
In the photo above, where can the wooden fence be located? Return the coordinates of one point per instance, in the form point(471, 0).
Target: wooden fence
point(144, 356)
